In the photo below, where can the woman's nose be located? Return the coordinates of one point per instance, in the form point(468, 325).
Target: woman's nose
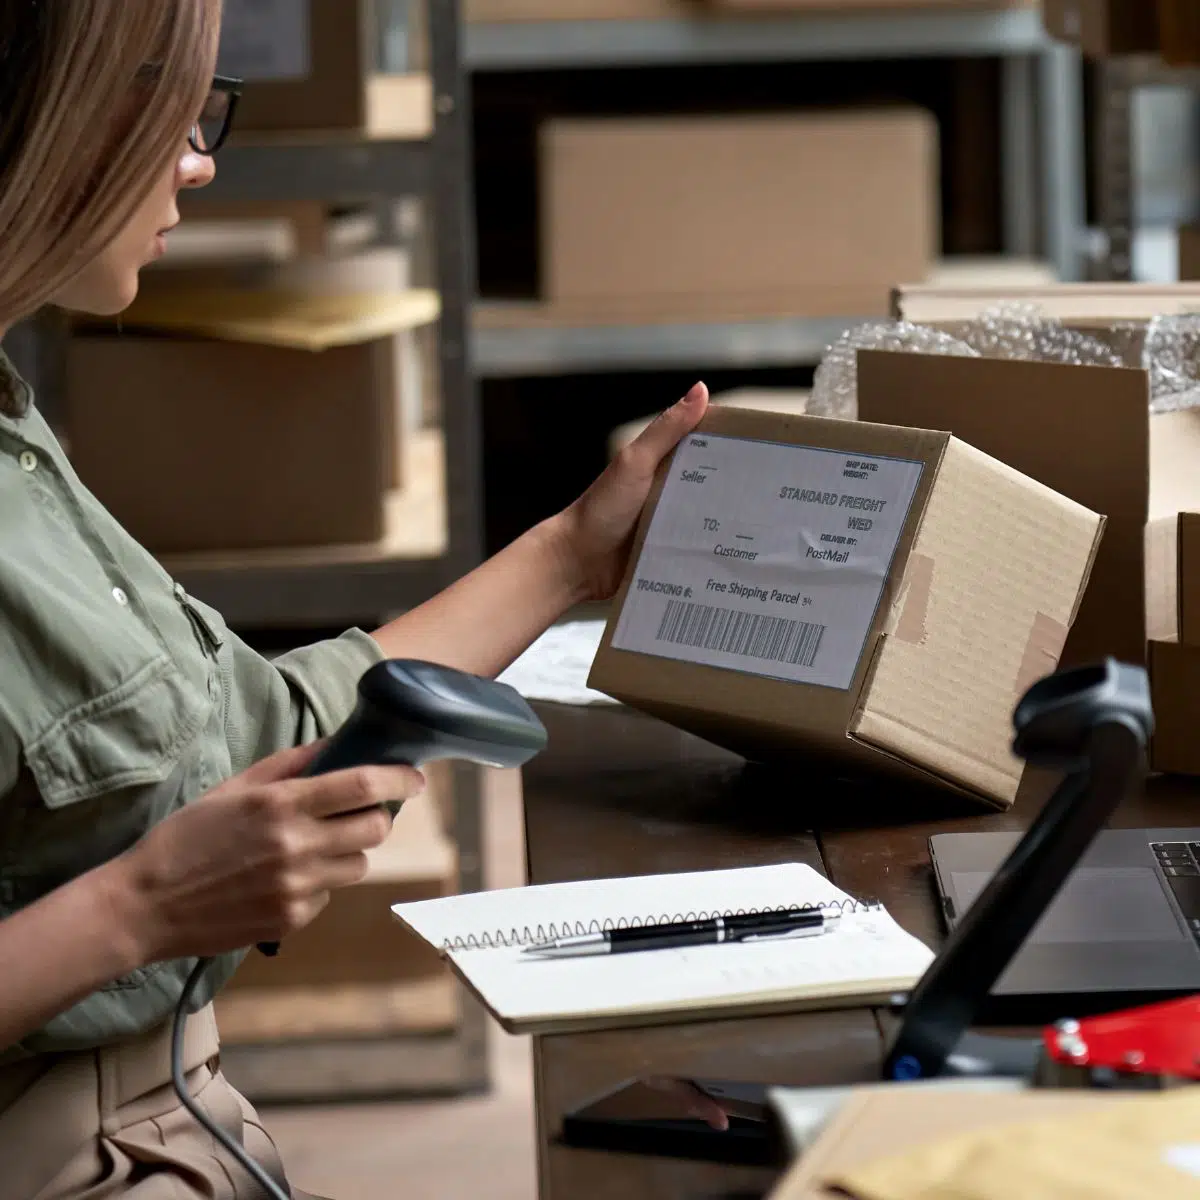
point(196, 170)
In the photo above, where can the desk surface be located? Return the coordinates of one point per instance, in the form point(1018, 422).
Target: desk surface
point(619, 794)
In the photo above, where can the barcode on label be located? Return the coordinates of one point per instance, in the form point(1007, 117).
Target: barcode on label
point(747, 635)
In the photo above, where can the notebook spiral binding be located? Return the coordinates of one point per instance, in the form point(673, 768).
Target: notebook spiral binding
point(532, 935)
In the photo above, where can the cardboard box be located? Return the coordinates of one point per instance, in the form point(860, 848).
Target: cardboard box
point(867, 595)
point(1173, 579)
point(785, 400)
point(870, 6)
point(1189, 252)
point(626, 10)
point(814, 213)
point(1101, 28)
point(1175, 695)
point(237, 421)
point(1086, 432)
point(312, 65)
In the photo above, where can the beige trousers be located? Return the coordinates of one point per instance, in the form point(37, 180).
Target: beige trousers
point(107, 1123)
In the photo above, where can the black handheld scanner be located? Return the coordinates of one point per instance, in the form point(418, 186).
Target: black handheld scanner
point(410, 713)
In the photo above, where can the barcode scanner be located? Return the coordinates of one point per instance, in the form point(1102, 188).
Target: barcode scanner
point(408, 713)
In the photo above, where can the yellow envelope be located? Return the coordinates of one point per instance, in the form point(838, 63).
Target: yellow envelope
point(299, 321)
point(1146, 1148)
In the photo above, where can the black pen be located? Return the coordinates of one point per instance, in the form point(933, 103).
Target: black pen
point(751, 927)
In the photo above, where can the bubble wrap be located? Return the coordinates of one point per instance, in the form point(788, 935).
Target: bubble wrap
point(835, 385)
point(1168, 347)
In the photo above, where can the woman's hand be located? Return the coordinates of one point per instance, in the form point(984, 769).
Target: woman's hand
point(254, 859)
point(599, 527)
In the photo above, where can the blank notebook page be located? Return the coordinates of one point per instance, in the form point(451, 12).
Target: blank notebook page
point(484, 933)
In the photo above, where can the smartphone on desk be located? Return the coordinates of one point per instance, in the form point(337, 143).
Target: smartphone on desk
point(660, 1115)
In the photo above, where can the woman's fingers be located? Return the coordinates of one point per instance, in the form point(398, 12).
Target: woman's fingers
point(662, 435)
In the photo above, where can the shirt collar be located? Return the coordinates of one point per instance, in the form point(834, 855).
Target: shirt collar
point(15, 394)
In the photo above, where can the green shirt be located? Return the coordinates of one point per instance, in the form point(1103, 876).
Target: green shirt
point(121, 699)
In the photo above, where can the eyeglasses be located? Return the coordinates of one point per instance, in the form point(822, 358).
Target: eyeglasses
point(208, 134)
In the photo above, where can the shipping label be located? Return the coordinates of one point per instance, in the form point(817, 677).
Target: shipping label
point(767, 558)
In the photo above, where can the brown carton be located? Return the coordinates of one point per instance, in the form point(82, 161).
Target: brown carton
point(1175, 696)
point(308, 65)
point(238, 420)
point(1085, 431)
point(872, 596)
point(1189, 252)
point(1173, 579)
point(1101, 28)
point(810, 214)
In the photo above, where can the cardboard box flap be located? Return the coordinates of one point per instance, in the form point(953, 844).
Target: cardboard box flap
point(294, 320)
point(1174, 459)
point(988, 595)
point(1081, 431)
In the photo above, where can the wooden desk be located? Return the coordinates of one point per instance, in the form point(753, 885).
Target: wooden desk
point(618, 794)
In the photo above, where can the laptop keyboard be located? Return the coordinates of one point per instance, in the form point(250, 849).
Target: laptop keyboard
point(1180, 864)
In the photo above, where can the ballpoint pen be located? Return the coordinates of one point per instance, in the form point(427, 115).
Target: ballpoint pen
point(749, 927)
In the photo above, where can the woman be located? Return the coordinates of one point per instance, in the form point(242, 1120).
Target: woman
point(152, 809)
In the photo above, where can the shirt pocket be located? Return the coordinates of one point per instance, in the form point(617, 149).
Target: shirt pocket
point(132, 735)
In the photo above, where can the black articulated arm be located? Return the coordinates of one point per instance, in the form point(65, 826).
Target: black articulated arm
point(1093, 723)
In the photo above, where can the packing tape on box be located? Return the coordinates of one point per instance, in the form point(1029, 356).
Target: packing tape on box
point(918, 585)
point(1042, 653)
point(1168, 347)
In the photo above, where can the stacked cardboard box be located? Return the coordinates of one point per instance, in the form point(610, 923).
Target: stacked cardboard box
point(308, 66)
point(1173, 622)
point(227, 420)
point(810, 213)
point(1089, 432)
point(779, 400)
point(1110, 28)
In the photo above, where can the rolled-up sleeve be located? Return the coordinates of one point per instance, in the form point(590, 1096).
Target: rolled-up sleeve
point(271, 704)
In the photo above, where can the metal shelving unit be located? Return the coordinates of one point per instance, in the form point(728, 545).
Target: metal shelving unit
point(1118, 82)
point(1042, 149)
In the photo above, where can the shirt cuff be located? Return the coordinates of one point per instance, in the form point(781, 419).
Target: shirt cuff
point(327, 675)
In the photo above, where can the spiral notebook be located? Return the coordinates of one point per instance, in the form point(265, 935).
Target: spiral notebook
point(865, 958)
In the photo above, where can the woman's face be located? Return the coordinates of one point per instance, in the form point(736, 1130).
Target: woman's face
point(110, 283)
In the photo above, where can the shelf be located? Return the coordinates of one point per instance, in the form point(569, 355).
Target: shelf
point(265, 1015)
point(803, 37)
point(328, 167)
point(341, 1070)
point(329, 585)
point(528, 339)
point(564, 350)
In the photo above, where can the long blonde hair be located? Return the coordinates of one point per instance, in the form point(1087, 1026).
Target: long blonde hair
point(95, 98)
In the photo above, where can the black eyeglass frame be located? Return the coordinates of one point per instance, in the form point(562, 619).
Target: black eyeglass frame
point(231, 87)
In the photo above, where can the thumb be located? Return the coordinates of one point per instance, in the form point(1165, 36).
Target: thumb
point(662, 435)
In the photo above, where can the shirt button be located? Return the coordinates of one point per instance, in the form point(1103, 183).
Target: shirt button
point(28, 460)
point(120, 597)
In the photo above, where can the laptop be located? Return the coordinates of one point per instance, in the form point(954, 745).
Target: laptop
point(1123, 931)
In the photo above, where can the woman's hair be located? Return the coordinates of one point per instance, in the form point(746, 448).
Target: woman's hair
point(95, 98)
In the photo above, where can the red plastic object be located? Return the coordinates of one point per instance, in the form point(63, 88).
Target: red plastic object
point(1159, 1039)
